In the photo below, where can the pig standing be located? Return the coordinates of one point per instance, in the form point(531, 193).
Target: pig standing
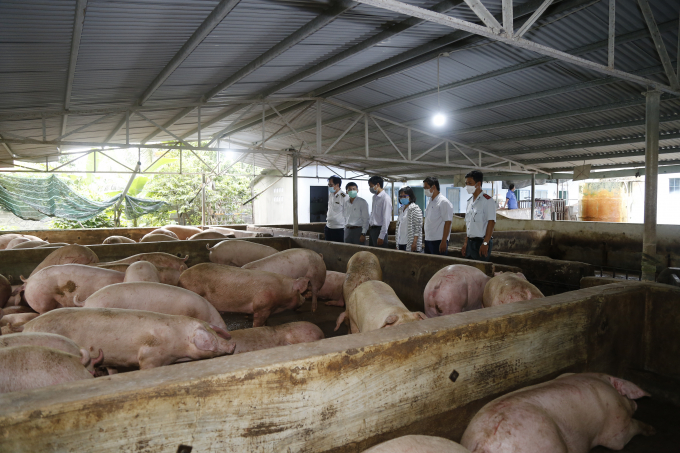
point(118, 240)
point(257, 338)
point(361, 267)
point(166, 275)
point(236, 290)
point(157, 238)
point(182, 231)
point(571, 414)
point(454, 289)
point(418, 444)
point(507, 287)
point(136, 338)
point(238, 253)
point(295, 263)
point(141, 271)
point(158, 259)
point(69, 254)
point(207, 234)
point(374, 305)
point(5, 291)
point(32, 367)
point(332, 289)
point(55, 286)
point(50, 340)
point(155, 297)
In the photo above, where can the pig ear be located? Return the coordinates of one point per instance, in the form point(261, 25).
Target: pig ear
point(421, 315)
point(221, 332)
point(204, 341)
point(627, 388)
point(321, 255)
point(301, 284)
point(391, 319)
point(84, 356)
point(185, 258)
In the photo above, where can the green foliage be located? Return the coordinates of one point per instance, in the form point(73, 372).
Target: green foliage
point(99, 221)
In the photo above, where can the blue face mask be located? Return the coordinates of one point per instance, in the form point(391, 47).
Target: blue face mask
point(404, 201)
point(331, 190)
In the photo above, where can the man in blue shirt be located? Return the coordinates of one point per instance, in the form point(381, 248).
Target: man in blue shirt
point(510, 199)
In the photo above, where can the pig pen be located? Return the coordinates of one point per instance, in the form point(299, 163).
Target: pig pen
point(347, 393)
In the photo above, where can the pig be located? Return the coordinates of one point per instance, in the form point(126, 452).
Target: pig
point(295, 263)
point(136, 338)
point(163, 231)
point(238, 253)
point(236, 290)
point(418, 444)
point(166, 275)
point(207, 234)
point(17, 309)
point(5, 291)
point(507, 287)
point(16, 241)
point(155, 297)
point(332, 289)
point(69, 254)
point(454, 289)
point(570, 414)
point(32, 367)
point(182, 231)
point(30, 245)
point(141, 271)
point(361, 267)
point(257, 338)
point(54, 286)
point(158, 259)
point(374, 305)
point(50, 340)
point(11, 323)
point(157, 238)
point(118, 240)
point(6, 239)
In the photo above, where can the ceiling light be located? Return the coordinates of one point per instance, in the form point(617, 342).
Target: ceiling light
point(438, 120)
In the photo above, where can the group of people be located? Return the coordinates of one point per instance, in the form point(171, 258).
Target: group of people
point(349, 221)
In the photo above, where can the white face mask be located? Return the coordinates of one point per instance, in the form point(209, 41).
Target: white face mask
point(470, 189)
point(429, 192)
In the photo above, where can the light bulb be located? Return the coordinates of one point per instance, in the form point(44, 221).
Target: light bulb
point(439, 120)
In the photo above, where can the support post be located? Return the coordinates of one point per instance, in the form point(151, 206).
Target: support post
point(651, 184)
point(199, 125)
point(392, 189)
point(408, 134)
point(203, 201)
point(116, 214)
point(533, 195)
point(612, 34)
point(366, 132)
point(319, 136)
point(447, 153)
point(295, 194)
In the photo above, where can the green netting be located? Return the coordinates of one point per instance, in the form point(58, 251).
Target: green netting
point(36, 199)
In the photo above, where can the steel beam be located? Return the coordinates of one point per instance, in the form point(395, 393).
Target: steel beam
point(598, 156)
point(484, 15)
point(78, 22)
point(611, 35)
point(532, 20)
point(533, 196)
point(295, 195)
point(651, 185)
point(508, 25)
point(658, 43)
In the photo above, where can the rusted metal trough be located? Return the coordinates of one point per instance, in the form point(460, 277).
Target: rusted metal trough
point(347, 393)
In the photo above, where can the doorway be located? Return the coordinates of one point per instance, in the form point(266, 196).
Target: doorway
point(318, 203)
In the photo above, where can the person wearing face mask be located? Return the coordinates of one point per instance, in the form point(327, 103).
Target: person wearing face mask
point(438, 217)
point(357, 216)
point(410, 223)
point(480, 219)
point(335, 217)
point(381, 213)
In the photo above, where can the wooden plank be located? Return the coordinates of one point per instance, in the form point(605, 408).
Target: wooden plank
point(339, 394)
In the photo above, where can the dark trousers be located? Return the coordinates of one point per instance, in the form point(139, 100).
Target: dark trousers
point(472, 250)
point(353, 236)
point(403, 247)
point(432, 247)
point(373, 233)
point(334, 234)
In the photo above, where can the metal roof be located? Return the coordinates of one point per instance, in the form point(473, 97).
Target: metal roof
point(502, 102)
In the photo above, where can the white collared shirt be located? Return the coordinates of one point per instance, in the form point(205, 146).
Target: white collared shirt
point(381, 212)
point(438, 212)
point(478, 214)
point(335, 217)
point(357, 213)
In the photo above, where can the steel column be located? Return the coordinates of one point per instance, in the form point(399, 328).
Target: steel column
point(612, 34)
point(203, 201)
point(319, 136)
point(533, 195)
point(295, 194)
point(392, 189)
point(651, 185)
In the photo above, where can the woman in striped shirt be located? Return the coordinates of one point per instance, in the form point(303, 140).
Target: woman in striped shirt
point(410, 223)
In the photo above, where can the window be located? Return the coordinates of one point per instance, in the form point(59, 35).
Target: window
point(563, 195)
point(542, 194)
point(674, 185)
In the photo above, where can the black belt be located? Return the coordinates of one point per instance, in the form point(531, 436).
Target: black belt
point(478, 239)
point(376, 226)
point(352, 227)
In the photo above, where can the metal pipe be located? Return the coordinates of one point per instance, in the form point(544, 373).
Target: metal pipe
point(533, 194)
point(651, 185)
point(203, 201)
point(124, 193)
point(295, 194)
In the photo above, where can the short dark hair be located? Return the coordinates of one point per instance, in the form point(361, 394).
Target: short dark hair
point(335, 180)
point(432, 181)
point(476, 175)
point(511, 187)
point(377, 180)
point(351, 184)
point(409, 192)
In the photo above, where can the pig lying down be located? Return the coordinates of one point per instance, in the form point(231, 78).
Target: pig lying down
point(454, 289)
point(570, 414)
point(32, 367)
point(135, 338)
point(508, 287)
point(418, 444)
point(158, 259)
point(257, 338)
point(374, 305)
point(69, 254)
point(50, 340)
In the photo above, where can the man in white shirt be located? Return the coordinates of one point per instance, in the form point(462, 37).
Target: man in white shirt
point(335, 217)
point(438, 217)
point(357, 216)
point(381, 213)
point(480, 219)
